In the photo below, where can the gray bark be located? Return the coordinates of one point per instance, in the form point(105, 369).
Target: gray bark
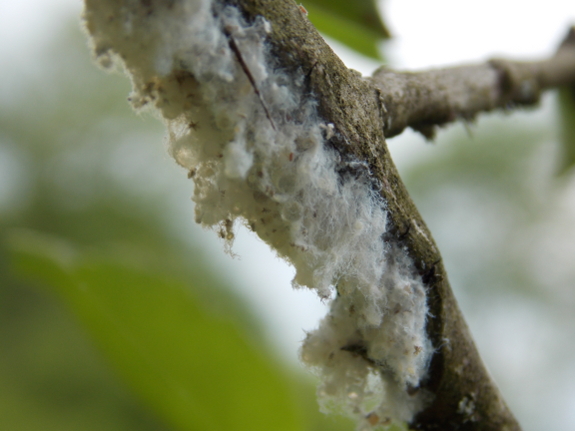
point(365, 112)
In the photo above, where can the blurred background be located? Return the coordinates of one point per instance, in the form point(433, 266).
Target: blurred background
point(96, 225)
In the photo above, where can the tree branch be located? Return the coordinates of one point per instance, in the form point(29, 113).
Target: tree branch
point(311, 174)
point(426, 100)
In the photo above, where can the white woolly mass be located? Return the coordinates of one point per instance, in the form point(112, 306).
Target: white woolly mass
point(258, 152)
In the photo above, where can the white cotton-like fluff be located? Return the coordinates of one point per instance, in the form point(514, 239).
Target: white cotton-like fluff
point(237, 160)
point(264, 159)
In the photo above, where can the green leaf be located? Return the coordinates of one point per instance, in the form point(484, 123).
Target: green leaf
point(567, 113)
point(193, 367)
point(356, 24)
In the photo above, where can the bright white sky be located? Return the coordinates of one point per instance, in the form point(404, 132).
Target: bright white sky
point(427, 33)
point(433, 33)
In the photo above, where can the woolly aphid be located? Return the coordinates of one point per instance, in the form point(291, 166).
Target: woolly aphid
point(256, 148)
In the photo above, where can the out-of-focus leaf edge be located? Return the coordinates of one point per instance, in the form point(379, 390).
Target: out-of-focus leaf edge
point(56, 265)
point(364, 13)
point(354, 35)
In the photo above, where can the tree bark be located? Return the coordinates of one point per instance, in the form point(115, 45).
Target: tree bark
point(366, 111)
point(363, 112)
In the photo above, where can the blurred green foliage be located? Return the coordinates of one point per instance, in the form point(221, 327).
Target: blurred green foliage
point(85, 222)
point(191, 364)
point(356, 24)
point(89, 236)
point(51, 375)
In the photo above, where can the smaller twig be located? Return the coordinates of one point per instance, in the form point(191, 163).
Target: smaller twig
point(426, 100)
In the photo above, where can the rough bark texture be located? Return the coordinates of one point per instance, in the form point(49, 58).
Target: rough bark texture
point(426, 100)
point(364, 112)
